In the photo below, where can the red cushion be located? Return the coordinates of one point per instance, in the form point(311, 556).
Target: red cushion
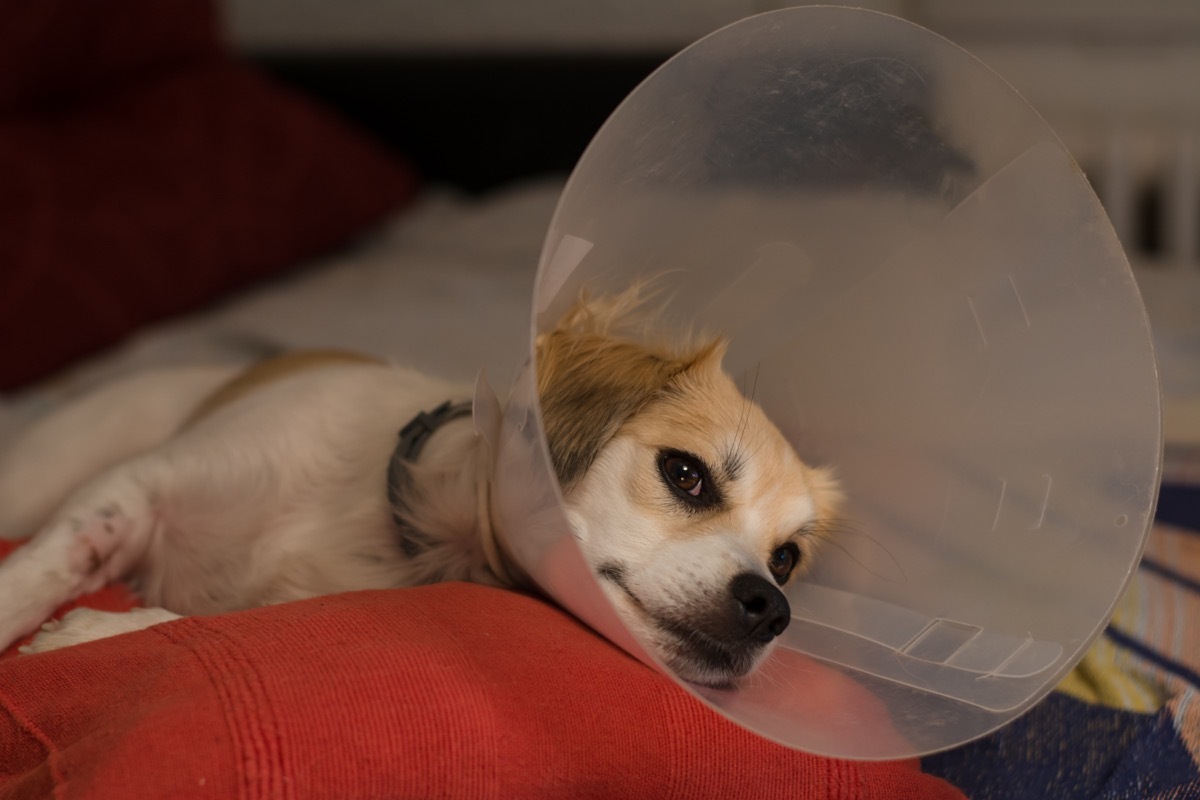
point(451, 690)
point(175, 179)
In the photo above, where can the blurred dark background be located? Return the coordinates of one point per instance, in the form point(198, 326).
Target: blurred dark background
point(479, 94)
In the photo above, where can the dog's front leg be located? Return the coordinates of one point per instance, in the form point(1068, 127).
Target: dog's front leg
point(98, 535)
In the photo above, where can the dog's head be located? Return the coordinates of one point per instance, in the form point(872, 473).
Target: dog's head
point(691, 507)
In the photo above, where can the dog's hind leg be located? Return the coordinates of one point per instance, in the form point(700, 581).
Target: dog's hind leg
point(61, 451)
point(100, 534)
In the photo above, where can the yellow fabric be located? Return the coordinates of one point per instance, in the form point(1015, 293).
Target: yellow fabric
point(1100, 678)
point(1113, 676)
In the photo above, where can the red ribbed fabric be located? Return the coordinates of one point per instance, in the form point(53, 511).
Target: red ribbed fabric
point(449, 691)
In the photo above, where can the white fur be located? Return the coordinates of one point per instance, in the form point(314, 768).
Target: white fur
point(280, 494)
point(117, 420)
point(87, 624)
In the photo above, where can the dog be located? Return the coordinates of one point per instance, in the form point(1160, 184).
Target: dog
point(211, 490)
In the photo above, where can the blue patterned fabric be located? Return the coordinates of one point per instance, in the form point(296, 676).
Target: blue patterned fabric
point(1066, 748)
point(1126, 723)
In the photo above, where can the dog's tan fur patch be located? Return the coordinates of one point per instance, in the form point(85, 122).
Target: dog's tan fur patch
point(270, 370)
point(591, 379)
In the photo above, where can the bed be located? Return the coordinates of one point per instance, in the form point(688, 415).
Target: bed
point(273, 223)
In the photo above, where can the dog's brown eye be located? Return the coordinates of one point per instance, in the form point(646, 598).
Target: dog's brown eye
point(783, 561)
point(689, 479)
point(684, 474)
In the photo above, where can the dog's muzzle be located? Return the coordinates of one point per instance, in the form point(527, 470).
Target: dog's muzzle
point(728, 639)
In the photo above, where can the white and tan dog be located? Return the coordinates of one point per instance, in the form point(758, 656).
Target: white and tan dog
point(211, 491)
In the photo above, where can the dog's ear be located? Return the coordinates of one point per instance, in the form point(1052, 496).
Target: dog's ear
point(591, 381)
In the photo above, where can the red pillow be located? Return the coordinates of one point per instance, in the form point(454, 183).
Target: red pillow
point(54, 52)
point(451, 690)
point(154, 182)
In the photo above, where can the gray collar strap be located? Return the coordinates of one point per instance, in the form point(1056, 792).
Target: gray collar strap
point(413, 437)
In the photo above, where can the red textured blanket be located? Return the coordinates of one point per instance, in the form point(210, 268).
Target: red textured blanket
point(451, 690)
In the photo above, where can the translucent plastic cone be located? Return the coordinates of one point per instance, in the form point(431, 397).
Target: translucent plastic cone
point(926, 295)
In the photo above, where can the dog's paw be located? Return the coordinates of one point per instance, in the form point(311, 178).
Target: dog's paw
point(87, 624)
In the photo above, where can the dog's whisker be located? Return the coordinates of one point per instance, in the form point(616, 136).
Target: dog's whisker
point(747, 403)
point(757, 448)
point(770, 675)
point(833, 541)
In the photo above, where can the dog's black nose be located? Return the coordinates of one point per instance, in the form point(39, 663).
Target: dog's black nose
point(764, 611)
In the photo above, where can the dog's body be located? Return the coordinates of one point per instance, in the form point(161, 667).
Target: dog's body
point(212, 490)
